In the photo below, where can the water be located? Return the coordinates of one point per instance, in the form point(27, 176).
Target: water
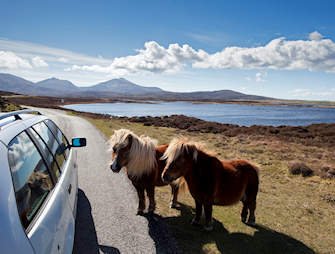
point(245, 115)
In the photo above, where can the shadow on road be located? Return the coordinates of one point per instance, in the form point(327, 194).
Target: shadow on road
point(160, 234)
point(264, 240)
point(108, 250)
point(85, 240)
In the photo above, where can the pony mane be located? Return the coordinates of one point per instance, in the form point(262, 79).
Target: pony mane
point(179, 146)
point(142, 153)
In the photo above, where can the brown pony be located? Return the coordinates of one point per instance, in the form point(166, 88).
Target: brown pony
point(141, 158)
point(211, 181)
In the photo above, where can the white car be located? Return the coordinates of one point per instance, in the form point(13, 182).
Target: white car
point(38, 185)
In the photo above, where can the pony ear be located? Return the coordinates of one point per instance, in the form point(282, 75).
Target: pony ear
point(194, 153)
point(130, 139)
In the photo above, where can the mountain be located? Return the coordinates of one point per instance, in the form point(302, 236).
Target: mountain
point(123, 86)
point(14, 84)
point(115, 89)
point(57, 84)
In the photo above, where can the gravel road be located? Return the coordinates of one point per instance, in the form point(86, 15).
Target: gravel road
point(107, 202)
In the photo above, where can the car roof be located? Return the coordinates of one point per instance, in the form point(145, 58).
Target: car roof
point(13, 123)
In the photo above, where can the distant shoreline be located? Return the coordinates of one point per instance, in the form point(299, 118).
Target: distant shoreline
point(45, 101)
point(321, 134)
point(315, 134)
point(321, 104)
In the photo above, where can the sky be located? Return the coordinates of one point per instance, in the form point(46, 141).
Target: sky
point(282, 49)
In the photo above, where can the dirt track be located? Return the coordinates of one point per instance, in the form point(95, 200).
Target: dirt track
point(107, 203)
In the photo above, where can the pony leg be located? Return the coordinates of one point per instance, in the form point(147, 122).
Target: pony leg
point(252, 208)
point(174, 195)
point(198, 212)
point(250, 202)
point(151, 196)
point(208, 217)
point(244, 213)
point(141, 200)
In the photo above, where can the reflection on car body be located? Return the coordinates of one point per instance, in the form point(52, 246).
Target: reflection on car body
point(38, 170)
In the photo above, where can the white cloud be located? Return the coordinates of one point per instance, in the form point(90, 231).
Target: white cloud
point(29, 50)
point(204, 38)
point(39, 62)
point(63, 60)
point(313, 55)
point(315, 36)
point(302, 92)
point(153, 58)
point(9, 60)
point(260, 76)
point(57, 60)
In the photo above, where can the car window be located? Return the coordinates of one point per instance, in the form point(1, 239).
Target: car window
point(54, 146)
point(50, 159)
point(59, 135)
point(31, 179)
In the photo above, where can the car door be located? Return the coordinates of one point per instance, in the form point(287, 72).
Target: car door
point(42, 202)
point(68, 166)
point(51, 143)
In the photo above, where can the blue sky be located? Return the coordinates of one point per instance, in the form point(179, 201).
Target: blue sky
point(281, 49)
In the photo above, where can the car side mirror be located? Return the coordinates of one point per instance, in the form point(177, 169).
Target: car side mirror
point(78, 142)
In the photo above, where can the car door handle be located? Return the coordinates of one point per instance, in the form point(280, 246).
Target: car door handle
point(69, 189)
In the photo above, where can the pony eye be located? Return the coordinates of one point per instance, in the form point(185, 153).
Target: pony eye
point(114, 149)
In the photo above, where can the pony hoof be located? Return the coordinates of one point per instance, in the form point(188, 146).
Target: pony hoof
point(195, 223)
point(140, 213)
point(251, 222)
point(151, 213)
point(208, 228)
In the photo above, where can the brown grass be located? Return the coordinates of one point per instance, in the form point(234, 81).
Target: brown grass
point(300, 168)
point(10, 107)
point(294, 214)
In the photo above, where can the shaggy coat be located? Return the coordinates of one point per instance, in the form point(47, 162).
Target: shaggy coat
point(141, 158)
point(212, 181)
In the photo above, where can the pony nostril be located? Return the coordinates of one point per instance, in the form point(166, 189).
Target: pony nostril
point(115, 167)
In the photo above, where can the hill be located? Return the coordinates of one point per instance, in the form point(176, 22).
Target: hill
point(115, 88)
point(15, 84)
point(57, 84)
point(123, 86)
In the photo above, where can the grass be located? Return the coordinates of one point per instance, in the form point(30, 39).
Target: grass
point(292, 212)
point(10, 107)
